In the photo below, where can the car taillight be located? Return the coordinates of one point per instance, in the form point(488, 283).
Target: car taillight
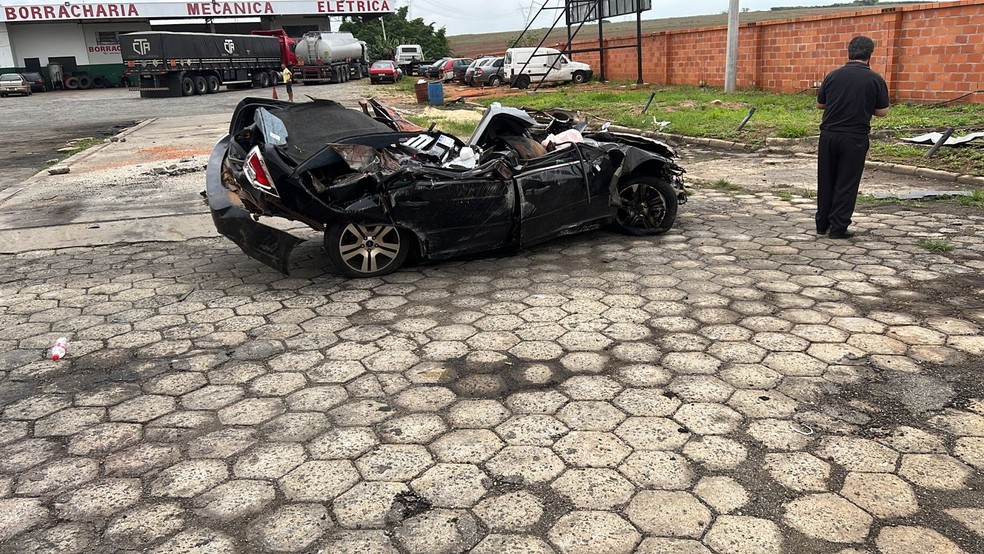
point(479, 71)
point(257, 173)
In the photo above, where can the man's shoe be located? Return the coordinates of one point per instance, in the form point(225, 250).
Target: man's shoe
point(840, 234)
point(821, 231)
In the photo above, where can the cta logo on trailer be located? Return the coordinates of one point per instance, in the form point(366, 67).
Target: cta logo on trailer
point(230, 47)
point(141, 46)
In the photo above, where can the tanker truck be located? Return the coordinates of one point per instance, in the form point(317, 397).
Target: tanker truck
point(181, 64)
point(324, 57)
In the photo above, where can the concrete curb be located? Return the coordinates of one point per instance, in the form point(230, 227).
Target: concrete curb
point(946, 176)
point(14, 190)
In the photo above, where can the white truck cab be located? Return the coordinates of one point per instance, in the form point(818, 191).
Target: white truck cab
point(406, 53)
point(525, 66)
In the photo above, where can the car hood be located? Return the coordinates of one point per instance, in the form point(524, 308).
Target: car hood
point(497, 116)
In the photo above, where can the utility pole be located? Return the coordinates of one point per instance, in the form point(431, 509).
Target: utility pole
point(383, 23)
point(731, 54)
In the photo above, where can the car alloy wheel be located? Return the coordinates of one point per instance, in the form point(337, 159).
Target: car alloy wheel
point(649, 206)
point(357, 250)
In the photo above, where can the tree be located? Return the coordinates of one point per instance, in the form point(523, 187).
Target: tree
point(399, 30)
point(531, 38)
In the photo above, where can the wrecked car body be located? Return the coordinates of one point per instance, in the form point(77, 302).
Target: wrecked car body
point(382, 189)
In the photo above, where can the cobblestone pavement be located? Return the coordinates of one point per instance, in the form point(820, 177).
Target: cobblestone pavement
point(736, 386)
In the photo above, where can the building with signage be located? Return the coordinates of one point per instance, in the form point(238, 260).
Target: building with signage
point(82, 36)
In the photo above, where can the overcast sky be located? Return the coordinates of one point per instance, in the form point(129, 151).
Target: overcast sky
point(462, 17)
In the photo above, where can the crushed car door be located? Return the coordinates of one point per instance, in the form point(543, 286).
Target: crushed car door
point(562, 191)
point(455, 215)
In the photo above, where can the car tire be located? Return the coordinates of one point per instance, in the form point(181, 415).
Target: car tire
point(201, 84)
point(649, 206)
point(213, 84)
point(579, 77)
point(354, 249)
point(523, 82)
point(187, 86)
point(495, 81)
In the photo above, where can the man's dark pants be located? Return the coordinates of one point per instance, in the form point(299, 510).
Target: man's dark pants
point(839, 167)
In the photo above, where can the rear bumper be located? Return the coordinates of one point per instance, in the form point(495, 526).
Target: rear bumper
point(260, 242)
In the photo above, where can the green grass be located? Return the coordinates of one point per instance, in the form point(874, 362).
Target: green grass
point(975, 200)
point(83, 144)
point(724, 184)
point(784, 195)
point(935, 245)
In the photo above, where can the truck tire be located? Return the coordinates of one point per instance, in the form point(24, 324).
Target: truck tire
point(85, 82)
point(263, 79)
point(579, 77)
point(213, 84)
point(71, 83)
point(201, 85)
point(187, 86)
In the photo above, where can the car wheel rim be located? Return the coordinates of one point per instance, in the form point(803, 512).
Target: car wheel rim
point(643, 207)
point(369, 248)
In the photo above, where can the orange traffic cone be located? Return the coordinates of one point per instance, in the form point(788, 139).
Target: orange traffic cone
point(275, 92)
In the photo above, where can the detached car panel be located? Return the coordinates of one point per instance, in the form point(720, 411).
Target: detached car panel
point(381, 189)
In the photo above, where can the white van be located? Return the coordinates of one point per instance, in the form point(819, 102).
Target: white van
point(406, 53)
point(525, 66)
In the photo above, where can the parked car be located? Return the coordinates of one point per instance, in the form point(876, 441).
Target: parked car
point(37, 82)
point(434, 70)
point(489, 73)
point(14, 83)
point(458, 68)
point(470, 72)
point(526, 66)
point(384, 71)
point(380, 195)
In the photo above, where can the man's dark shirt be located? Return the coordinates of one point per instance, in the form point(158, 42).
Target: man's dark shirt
point(851, 93)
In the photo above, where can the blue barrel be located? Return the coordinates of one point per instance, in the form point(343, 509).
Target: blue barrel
point(435, 93)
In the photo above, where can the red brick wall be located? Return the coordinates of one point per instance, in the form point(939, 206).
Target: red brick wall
point(926, 52)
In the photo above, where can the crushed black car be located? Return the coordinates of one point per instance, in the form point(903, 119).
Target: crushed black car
point(382, 189)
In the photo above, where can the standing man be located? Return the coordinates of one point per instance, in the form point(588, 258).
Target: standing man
point(849, 96)
point(287, 76)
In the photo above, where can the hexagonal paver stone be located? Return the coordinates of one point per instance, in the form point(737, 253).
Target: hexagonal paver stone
point(198, 540)
point(531, 430)
point(708, 418)
point(142, 408)
point(880, 494)
point(319, 481)
point(762, 403)
point(252, 411)
point(212, 397)
point(342, 443)
point(971, 518)
point(909, 440)
point(269, 461)
point(661, 545)
point(358, 542)
point(144, 525)
point(669, 514)
point(970, 450)
point(798, 471)
point(594, 489)
point(36, 407)
point(467, 446)
point(658, 469)
point(439, 531)
point(66, 537)
point(18, 515)
point(413, 428)
point(277, 384)
point(744, 535)
point(471, 414)
point(780, 434)
point(295, 427)
point(452, 485)
point(701, 388)
point(537, 350)
point(526, 464)
point(425, 399)
point(141, 458)
point(716, 452)
point(935, 471)
point(960, 423)
point(291, 528)
point(188, 479)
point(235, 499)
point(590, 416)
point(394, 462)
point(68, 421)
point(536, 402)
point(585, 362)
point(829, 517)
point(907, 539)
point(222, 443)
point(648, 402)
point(591, 449)
point(99, 500)
point(513, 511)
point(723, 494)
point(176, 384)
point(104, 438)
point(368, 504)
point(795, 363)
point(24, 454)
point(57, 476)
point(589, 532)
point(652, 433)
point(512, 544)
point(690, 362)
point(857, 454)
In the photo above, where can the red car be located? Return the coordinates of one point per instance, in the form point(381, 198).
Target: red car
point(384, 70)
